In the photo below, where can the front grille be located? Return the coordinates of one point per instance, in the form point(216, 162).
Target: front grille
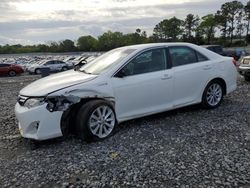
point(21, 99)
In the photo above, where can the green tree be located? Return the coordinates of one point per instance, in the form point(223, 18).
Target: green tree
point(42, 48)
point(230, 11)
point(169, 29)
point(158, 34)
point(87, 43)
point(240, 26)
point(190, 24)
point(221, 19)
point(110, 40)
point(67, 46)
point(139, 37)
point(247, 17)
point(207, 27)
point(54, 46)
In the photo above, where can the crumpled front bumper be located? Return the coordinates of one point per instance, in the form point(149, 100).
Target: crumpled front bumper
point(38, 123)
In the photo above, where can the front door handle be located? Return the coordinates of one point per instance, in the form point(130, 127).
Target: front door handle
point(166, 77)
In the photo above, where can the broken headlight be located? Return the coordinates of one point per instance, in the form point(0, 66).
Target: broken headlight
point(33, 102)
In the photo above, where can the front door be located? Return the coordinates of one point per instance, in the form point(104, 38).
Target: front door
point(145, 87)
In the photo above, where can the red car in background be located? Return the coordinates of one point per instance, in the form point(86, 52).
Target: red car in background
point(10, 69)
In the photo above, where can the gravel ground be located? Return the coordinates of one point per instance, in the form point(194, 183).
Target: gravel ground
point(189, 147)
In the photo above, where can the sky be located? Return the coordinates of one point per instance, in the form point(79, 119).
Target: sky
point(41, 21)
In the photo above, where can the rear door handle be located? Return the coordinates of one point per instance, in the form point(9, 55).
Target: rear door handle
point(207, 67)
point(166, 77)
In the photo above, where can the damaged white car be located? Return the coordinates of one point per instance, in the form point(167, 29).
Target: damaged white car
point(123, 84)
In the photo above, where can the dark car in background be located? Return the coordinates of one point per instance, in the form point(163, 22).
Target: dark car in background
point(215, 48)
point(10, 69)
point(235, 53)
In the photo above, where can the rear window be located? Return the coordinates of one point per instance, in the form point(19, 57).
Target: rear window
point(201, 57)
point(4, 65)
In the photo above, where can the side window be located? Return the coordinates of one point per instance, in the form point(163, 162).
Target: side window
point(201, 57)
point(49, 63)
point(149, 61)
point(182, 55)
point(4, 65)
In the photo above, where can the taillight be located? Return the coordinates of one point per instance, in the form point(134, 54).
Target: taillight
point(234, 62)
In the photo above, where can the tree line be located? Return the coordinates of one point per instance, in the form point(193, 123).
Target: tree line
point(229, 26)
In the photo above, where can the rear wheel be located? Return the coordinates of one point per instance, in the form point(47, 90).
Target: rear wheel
point(95, 120)
point(247, 78)
point(12, 73)
point(212, 95)
point(38, 71)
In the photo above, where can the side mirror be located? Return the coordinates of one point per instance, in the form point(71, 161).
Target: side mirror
point(122, 73)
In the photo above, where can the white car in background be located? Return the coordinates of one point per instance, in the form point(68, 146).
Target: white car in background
point(53, 65)
point(123, 84)
point(69, 60)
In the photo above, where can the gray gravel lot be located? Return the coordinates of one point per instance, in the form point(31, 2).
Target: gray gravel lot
point(188, 147)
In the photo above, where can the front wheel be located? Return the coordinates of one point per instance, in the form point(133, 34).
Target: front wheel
point(37, 71)
point(212, 95)
point(247, 78)
point(95, 120)
point(64, 68)
point(12, 73)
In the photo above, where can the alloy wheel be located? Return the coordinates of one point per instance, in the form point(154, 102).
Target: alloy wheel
point(12, 73)
point(214, 94)
point(38, 71)
point(102, 121)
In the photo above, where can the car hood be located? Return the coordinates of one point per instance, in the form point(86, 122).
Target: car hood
point(50, 84)
point(34, 65)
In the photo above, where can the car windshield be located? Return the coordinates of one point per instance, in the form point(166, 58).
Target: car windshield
point(79, 58)
point(69, 59)
point(105, 61)
point(42, 62)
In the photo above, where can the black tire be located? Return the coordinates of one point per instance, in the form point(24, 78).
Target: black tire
point(12, 73)
point(64, 68)
point(205, 103)
point(37, 71)
point(247, 78)
point(83, 120)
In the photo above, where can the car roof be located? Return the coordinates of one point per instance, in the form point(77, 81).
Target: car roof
point(206, 46)
point(152, 45)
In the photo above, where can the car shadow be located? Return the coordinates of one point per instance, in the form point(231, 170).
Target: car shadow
point(123, 127)
point(160, 116)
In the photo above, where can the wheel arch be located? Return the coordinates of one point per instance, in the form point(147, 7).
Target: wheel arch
point(68, 119)
point(223, 84)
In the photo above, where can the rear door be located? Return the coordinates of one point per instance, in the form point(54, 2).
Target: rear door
point(58, 65)
point(50, 65)
point(191, 71)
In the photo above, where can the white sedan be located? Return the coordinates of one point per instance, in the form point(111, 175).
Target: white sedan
point(123, 84)
point(53, 65)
